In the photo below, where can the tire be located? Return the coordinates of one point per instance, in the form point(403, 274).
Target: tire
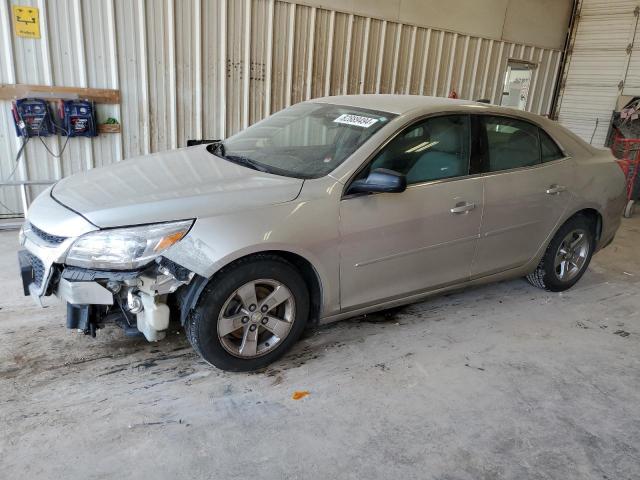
point(548, 275)
point(228, 335)
point(628, 210)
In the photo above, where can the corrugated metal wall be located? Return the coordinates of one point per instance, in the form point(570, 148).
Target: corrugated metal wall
point(208, 68)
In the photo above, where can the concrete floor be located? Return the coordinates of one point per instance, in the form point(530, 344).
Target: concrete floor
point(504, 381)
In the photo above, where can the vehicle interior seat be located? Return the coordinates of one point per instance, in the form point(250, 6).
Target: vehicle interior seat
point(446, 158)
point(519, 149)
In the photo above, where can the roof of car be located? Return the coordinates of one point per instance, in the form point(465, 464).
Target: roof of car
point(397, 104)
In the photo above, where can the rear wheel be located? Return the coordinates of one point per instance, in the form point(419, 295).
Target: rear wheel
point(250, 315)
point(628, 210)
point(567, 256)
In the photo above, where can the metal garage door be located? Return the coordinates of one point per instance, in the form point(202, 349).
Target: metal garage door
point(601, 65)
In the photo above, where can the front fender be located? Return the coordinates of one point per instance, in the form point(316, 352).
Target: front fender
point(308, 229)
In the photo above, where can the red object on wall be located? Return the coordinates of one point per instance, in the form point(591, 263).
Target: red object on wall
point(453, 94)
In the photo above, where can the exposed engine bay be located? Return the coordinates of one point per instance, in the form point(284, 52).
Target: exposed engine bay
point(138, 299)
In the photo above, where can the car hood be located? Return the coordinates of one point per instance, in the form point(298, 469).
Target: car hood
point(173, 185)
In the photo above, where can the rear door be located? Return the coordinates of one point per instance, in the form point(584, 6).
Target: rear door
point(526, 192)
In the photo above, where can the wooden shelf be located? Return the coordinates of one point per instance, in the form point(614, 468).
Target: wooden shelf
point(21, 90)
point(108, 128)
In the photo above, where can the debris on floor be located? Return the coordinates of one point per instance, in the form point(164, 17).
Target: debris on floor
point(299, 394)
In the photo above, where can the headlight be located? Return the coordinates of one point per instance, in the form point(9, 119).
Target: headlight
point(125, 248)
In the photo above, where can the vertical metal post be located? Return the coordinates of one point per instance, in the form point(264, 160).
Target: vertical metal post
point(463, 67)
point(383, 34)
point(327, 73)
point(412, 49)
point(310, 45)
point(434, 90)
point(425, 59)
point(222, 70)
point(365, 53)
point(291, 41)
point(144, 81)
point(197, 52)
point(246, 64)
point(269, 60)
point(347, 56)
point(113, 62)
point(396, 56)
point(173, 89)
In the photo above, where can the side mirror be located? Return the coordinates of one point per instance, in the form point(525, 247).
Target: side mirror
point(380, 180)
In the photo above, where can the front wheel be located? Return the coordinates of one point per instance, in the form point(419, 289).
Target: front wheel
point(567, 256)
point(250, 314)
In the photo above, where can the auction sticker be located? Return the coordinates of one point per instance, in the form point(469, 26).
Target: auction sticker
point(357, 120)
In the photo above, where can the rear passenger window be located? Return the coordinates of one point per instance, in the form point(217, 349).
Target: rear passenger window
point(511, 143)
point(548, 148)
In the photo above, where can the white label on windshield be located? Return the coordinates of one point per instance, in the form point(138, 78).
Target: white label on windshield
point(357, 120)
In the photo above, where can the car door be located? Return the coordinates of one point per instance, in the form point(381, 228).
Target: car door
point(526, 194)
point(396, 244)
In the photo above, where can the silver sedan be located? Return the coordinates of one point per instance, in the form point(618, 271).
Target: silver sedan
point(328, 209)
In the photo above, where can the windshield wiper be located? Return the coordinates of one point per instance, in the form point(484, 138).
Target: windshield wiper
point(218, 148)
point(247, 162)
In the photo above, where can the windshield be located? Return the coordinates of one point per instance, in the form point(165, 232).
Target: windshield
point(307, 140)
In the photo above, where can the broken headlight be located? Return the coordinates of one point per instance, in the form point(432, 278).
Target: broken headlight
point(125, 248)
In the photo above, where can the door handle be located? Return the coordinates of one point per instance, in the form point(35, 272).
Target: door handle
point(556, 189)
point(463, 207)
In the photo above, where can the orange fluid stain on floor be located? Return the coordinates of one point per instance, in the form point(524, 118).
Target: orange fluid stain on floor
point(299, 394)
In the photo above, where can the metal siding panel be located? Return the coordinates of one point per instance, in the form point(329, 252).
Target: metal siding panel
point(280, 51)
point(211, 99)
point(357, 49)
point(320, 52)
point(235, 65)
point(186, 70)
point(301, 52)
point(132, 95)
point(259, 58)
point(403, 56)
point(101, 73)
point(582, 106)
point(243, 60)
point(388, 55)
point(597, 64)
point(66, 68)
point(338, 53)
point(9, 196)
point(607, 7)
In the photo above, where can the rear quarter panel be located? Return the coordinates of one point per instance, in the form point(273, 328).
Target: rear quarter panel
point(600, 184)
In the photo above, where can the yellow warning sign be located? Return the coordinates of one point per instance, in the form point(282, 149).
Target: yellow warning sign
point(26, 21)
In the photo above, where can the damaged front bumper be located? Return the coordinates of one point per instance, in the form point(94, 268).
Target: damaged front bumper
point(137, 300)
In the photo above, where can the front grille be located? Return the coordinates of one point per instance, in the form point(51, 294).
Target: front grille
point(47, 237)
point(38, 269)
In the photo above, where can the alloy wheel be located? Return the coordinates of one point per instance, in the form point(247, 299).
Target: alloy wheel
point(256, 318)
point(572, 255)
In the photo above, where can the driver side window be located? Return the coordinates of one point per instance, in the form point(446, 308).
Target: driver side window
point(431, 149)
